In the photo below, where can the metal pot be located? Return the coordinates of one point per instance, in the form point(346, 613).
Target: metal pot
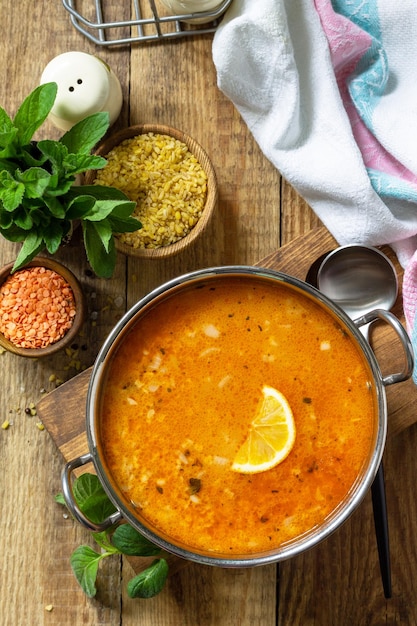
point(341, 512)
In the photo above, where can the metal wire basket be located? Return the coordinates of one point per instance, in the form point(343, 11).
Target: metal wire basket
point(100, 21)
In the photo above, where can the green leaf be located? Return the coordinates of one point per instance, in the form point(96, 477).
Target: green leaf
point(7, 166)
point(59, 187)
point(103, 208)
point(91, 498)
point(99, 192)
point(103, 540)
point(11, 191)
point(53, 236)
point(9, 230)
point(87, 133)
point(84, 563)
point(78, 163)
point(33, 111)
point(59, 499)
point(35, 180)
point(129, 541)
point(123, 225)
point(150, 582)
point(104, 232)
point(23, 220)
point(79, 207)
point(32, 245)
point(55, 207)
point(6, 124)
point(54, 151)
point(30, 156)
point(6, 221)
point(102, 260)
point(7, 131)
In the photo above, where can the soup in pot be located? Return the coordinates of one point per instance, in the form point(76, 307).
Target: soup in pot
point(183, 388)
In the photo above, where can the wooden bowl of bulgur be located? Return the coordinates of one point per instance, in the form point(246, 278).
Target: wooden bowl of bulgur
point(42, 308)
point(171, 179)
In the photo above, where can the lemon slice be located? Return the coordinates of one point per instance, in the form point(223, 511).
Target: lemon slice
point(271, 436)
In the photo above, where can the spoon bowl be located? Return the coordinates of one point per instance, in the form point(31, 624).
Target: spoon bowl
point(359, 279)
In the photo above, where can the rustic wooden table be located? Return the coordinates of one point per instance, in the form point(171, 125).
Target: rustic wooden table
point(335, 583)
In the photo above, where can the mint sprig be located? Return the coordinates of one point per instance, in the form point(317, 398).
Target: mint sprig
point(39, 201)
point(124, 539)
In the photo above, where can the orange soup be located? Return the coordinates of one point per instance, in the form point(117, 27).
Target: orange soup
point(183, 388)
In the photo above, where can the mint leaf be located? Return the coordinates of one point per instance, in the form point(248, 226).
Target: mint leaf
point(55, 151)
point(103, 540)
point(9, 230)
point(58, 187)
point(6, 124)
point(84, 563)
point(33, 111)
point(35, 180)
point(103, 208)
point(53, 236)
point(11, 191)
point(104, 233)
point(86, 134)
point(55, 207)
point(101, 259)
point(23, 220)
point(80, 207)
point(59, 498)
point(129, 541)
point(91, 498)
point(7, 131)
point(124, 224)
point(150, 582)
point(78, 163)
point(32, 245)
point(99, 192)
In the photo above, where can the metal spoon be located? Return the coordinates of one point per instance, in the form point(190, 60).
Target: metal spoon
point(360, 279)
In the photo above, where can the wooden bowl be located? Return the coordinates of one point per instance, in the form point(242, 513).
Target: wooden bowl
point(211, 200)
point(70, 335)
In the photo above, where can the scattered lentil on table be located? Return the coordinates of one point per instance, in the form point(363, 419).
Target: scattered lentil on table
point(166, 181)
point(37, 307)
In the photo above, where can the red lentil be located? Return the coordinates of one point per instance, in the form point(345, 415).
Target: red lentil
point(37, 307)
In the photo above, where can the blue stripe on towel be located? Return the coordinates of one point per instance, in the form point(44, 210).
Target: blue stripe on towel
point(388, 186)
point(368, 83)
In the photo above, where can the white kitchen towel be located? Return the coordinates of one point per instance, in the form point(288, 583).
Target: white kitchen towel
point(329, 92)
point(283, 63)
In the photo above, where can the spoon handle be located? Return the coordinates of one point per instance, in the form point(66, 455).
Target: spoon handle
point(380, 511)
point(379, 505)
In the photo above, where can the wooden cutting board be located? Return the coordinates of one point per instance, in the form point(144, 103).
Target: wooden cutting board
point(68, 429)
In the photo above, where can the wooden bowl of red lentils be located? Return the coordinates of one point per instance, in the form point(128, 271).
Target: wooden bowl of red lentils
point(172, 180)
point(41, 308)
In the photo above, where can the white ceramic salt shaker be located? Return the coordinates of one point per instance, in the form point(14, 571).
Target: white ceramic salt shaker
point(183, 7)
point(86, 85)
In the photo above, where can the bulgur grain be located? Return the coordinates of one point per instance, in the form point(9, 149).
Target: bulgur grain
point(166, 181)
point(37, 307)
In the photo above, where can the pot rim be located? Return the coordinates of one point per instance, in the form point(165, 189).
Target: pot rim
point(303, 542)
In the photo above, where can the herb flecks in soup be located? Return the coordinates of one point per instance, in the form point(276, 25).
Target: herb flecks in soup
point(183, 389)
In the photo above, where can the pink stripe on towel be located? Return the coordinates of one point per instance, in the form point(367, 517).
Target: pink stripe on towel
point(348, 43)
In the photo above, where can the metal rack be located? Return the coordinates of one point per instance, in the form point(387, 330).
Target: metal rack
point(93, 19)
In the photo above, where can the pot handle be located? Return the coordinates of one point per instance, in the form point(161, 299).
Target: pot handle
point(394, 322)
point(73, 506)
